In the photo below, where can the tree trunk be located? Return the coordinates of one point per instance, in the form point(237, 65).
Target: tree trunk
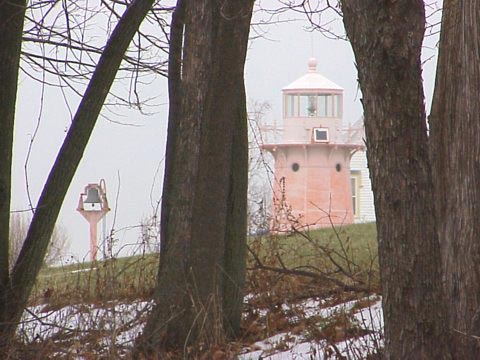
point(36, 243)
point(12, 14)
point(386, 37)
point(455, 152)
point(201, 270)
point(236, 226)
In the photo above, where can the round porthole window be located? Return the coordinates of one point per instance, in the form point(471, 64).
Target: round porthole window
point(338, 167)
point(295, 167)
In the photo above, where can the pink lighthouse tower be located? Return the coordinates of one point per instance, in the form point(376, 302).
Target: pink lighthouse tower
point(312, 161)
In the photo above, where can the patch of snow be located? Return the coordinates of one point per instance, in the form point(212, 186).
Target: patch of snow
point(370, 318)
point(82, 270)
point(118, 324)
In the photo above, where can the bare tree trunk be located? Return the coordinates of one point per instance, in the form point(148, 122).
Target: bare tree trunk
point(12, 14)
point(36, 243)
point(455, 152)
point(236, 226)
point(11, 27)
point(201, 270)
point(386, 37)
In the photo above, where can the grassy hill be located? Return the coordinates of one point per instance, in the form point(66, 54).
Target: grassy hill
point(90, 282)
point(345, 255)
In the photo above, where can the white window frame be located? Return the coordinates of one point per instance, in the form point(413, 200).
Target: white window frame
point(356, 178)
point(320, 140)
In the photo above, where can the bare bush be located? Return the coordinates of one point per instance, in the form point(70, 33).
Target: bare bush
point(19, 224)
point(314, 286)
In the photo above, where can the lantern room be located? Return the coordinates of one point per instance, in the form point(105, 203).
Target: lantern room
point(312, 108)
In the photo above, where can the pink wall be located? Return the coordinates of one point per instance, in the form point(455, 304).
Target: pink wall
point(317, 194)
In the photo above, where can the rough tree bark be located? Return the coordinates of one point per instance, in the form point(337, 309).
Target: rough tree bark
point(17, 287)
point(455, 153)
point(386, 37)
point(12, 14)
point(201, 272)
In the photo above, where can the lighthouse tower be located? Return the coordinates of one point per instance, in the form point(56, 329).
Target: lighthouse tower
point(312, 162)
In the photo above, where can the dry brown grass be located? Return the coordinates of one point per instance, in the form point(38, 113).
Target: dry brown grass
point(275, 301)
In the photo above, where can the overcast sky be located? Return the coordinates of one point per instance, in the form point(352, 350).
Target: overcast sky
point(130, 158)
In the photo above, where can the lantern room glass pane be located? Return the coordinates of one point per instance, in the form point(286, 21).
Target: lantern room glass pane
point(336, 105)
point(322, 105)
point(330, 107)
point(304, 105)
point(291, 102)
point(311, 105)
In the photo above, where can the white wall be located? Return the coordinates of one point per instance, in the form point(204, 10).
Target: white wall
point(367, 209)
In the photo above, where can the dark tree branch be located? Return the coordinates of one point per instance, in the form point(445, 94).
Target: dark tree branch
point(36, 243)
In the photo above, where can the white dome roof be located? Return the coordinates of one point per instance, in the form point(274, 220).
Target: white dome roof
point(312, 80)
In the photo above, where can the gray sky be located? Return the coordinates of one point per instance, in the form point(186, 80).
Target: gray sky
point(130, 159)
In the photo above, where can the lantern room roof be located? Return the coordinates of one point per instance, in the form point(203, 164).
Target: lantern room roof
point(312, 80)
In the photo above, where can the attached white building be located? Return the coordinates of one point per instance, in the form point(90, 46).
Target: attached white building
point(362, 195)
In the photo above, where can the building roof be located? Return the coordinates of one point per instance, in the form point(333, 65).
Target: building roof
point(312, 80)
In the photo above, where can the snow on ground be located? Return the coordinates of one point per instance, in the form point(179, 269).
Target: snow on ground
point(117, 325)
point(85, 328)
point(287, 346)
